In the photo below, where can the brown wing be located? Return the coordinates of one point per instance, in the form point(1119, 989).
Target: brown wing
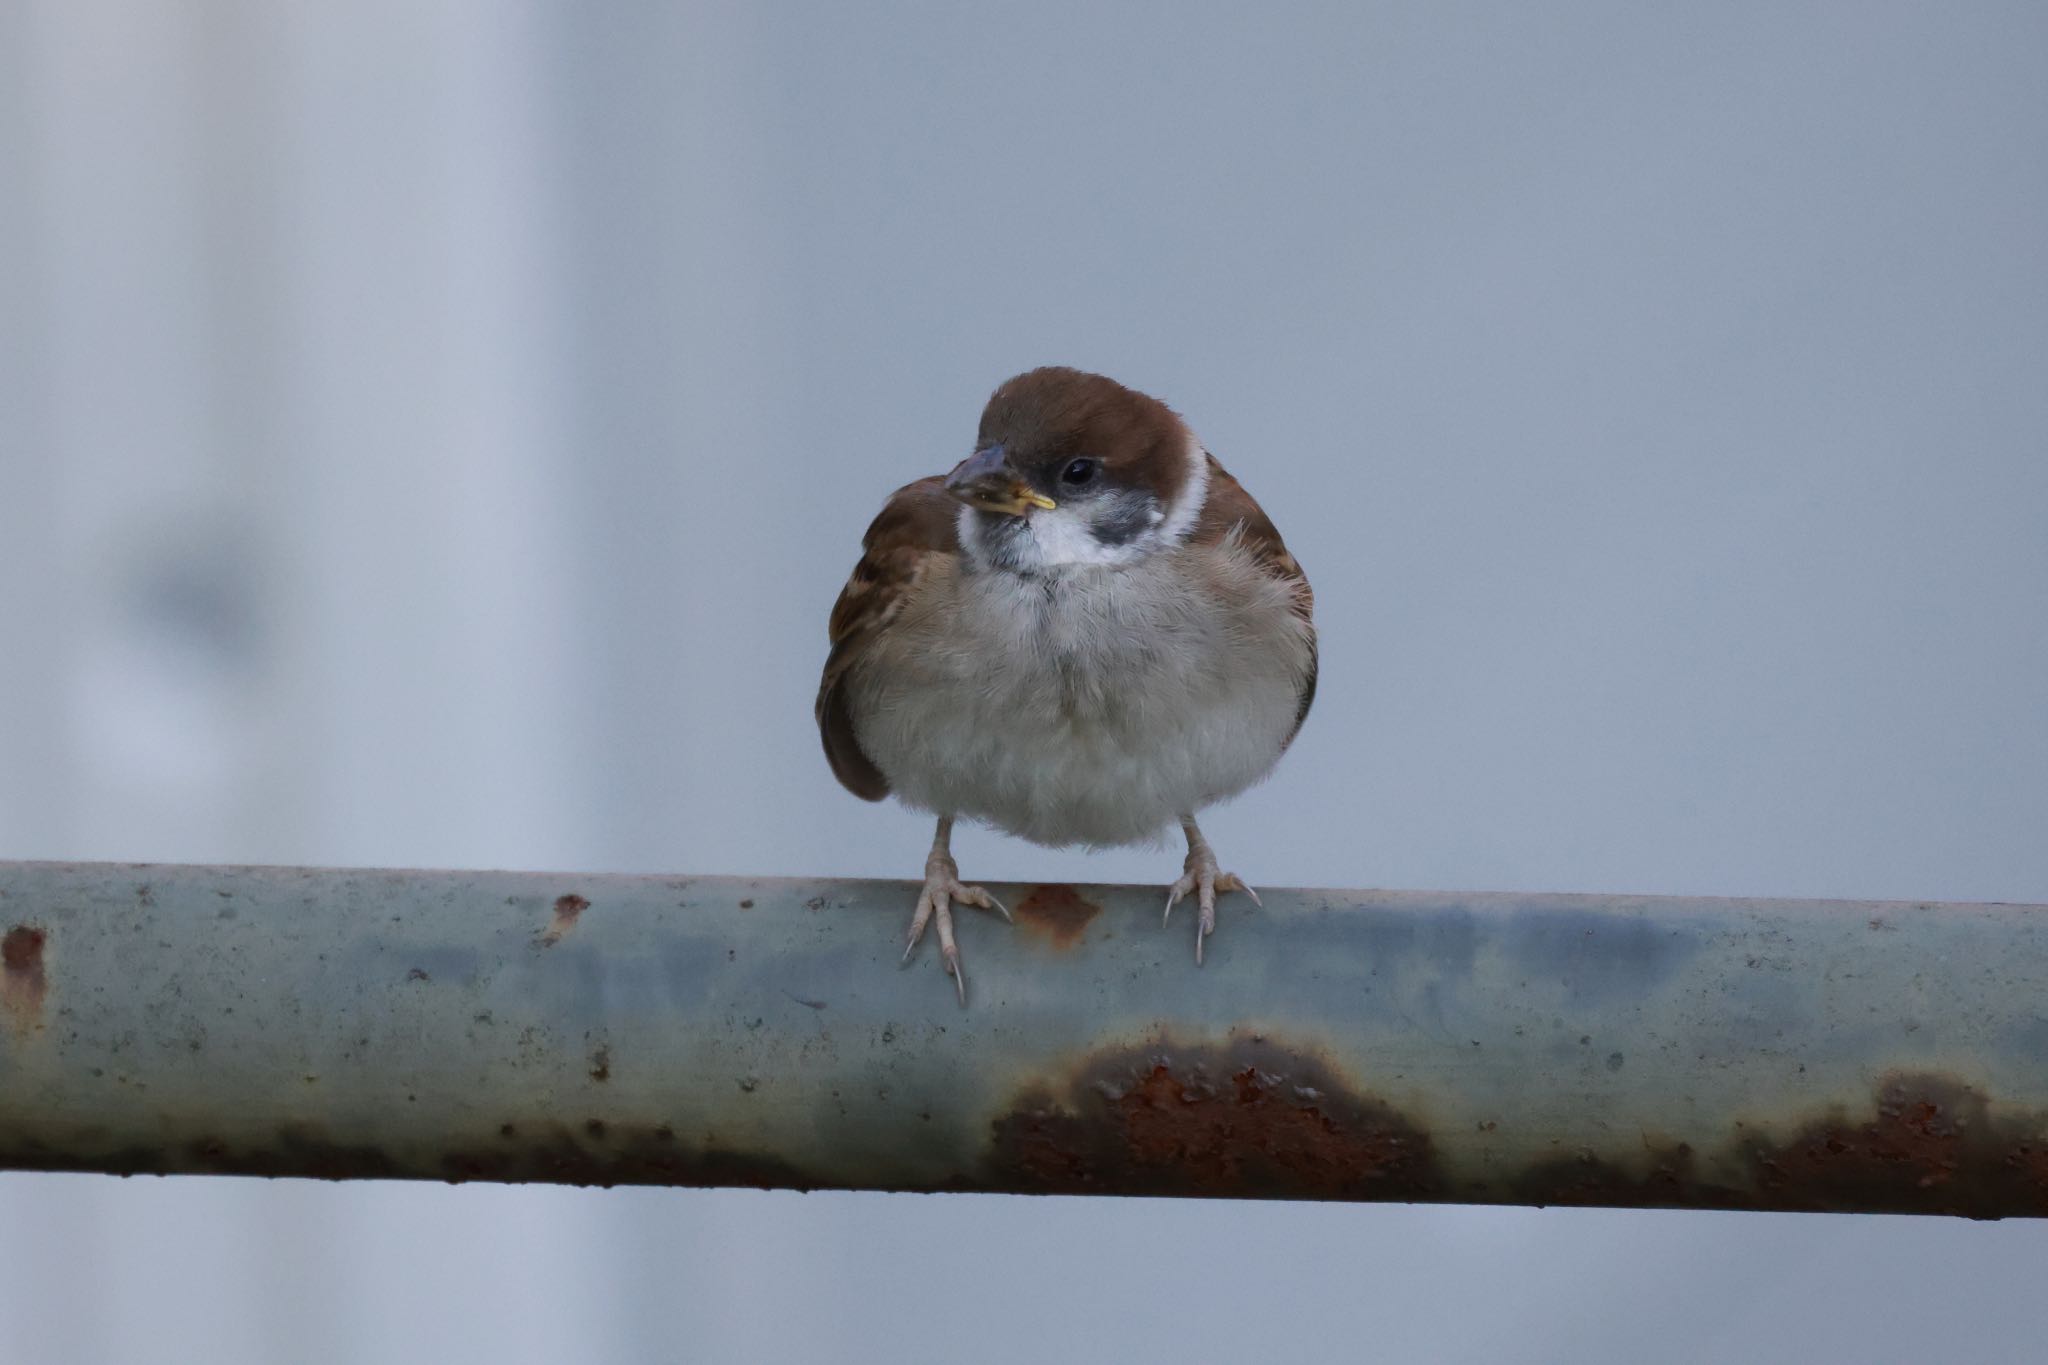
point(1229, 508)
point(920, 520)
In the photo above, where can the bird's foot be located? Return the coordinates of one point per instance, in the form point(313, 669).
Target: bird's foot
point(1202, 879)
point(941, 888)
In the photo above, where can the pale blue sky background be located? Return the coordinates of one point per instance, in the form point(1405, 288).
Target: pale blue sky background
point(434, 432)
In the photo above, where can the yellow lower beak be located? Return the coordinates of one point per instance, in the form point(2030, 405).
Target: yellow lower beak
point(986, 480)
point(1020, 500)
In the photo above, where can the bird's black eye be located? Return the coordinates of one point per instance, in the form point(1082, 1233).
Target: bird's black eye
point(1077, 472)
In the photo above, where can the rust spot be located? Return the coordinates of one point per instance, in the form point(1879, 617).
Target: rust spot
point(601, 1064)
point(1058, 913)
point(1929, 1145)
point(23, 982)
point(1245, 1118)
point(22, 949)
point(567, 909)
point(1256, 1117)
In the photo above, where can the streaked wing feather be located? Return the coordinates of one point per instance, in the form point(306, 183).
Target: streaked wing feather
point(919, 520)
point(1229, 508)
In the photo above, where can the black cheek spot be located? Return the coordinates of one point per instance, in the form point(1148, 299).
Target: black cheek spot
point(1122, 519)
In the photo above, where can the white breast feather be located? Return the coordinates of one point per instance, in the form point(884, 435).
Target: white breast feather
point(1091, 706)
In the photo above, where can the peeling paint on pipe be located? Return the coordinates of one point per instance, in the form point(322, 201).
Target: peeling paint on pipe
point(1622, 1051)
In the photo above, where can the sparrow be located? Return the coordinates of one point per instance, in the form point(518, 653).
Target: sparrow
point(1085, 632)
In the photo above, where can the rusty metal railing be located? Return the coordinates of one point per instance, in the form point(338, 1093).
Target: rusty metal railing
point(1632, 1051)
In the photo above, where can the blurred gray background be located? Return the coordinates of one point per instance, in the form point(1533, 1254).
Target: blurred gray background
point(434, 432)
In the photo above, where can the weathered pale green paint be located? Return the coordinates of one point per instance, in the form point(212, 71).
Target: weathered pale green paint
point(1494, 1048)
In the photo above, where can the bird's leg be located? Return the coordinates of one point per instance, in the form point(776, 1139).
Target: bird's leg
point(1203, 879)
point(941, 888)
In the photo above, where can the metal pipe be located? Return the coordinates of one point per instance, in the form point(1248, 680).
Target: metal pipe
point(1627, 1051)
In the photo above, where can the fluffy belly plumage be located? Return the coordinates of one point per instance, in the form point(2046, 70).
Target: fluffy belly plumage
point(1093, 709)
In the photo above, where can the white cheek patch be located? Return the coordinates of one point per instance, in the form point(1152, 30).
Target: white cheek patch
point(1044, 540)
point(1193, 494)
point(1065, 537)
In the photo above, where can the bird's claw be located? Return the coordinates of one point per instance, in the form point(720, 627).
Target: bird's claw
point(942, 887)
point(1204, 880)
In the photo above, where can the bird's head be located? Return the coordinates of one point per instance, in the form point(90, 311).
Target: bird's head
point(1072, 469)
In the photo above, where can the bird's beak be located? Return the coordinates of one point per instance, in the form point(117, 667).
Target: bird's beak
point(985, 480)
